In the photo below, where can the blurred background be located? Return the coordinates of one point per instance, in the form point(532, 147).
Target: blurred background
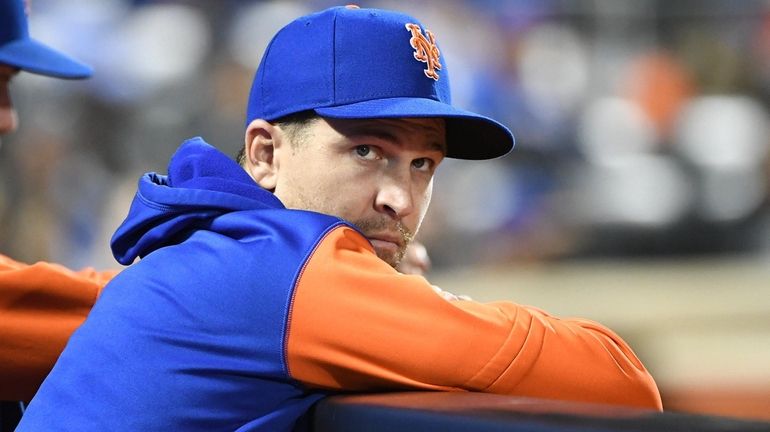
point(637, 194)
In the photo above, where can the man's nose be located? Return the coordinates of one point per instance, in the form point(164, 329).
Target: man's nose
point(8, 120)
point(394, 196)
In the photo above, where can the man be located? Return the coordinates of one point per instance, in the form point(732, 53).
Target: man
point(40, 304)
point(266, 285)
point(19, 51)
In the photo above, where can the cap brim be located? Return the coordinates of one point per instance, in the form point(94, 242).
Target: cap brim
point(34, 57)
point(469, 135)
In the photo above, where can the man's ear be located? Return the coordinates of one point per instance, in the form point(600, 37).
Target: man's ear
point(259, 153)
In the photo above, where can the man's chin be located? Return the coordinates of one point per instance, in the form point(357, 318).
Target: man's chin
point(390, 257)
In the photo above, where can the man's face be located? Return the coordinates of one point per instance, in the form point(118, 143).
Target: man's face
point(376, 174)
point(7, 113)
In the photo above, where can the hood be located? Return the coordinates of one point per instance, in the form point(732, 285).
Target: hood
point(202, 183)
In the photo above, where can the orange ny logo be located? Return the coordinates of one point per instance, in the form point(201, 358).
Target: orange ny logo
point(425, 50)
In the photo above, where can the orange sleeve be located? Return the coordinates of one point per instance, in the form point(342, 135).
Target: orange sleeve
point(40, 306)
point(357, 324)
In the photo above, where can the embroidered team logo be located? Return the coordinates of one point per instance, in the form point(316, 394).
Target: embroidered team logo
point(425, 50)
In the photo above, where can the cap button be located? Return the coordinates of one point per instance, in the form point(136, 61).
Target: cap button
point(352, 6)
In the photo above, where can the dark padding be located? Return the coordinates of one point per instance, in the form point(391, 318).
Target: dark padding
point(478, 412)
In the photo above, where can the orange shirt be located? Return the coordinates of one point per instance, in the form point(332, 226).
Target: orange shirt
point(40, 306)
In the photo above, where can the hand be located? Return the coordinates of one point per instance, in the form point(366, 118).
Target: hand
point(416, 260)
point(448, 295)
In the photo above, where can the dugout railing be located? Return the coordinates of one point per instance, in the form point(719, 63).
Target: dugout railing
point(478, 412)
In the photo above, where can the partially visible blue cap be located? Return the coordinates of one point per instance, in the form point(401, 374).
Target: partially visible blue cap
point(19, 50)
point(346, 62)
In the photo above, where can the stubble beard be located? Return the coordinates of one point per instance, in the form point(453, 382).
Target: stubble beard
point(374, 226)
point(368, 227)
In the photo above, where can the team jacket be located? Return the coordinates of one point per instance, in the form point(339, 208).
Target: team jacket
point(241, 314)
point(40, 306)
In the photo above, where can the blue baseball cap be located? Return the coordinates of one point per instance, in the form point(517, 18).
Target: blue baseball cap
point(19, 50)
point(351, 63)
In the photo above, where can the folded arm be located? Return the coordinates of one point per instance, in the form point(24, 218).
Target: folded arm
point(357, 324)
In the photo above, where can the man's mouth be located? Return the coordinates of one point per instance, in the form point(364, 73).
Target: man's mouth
point(387, 242)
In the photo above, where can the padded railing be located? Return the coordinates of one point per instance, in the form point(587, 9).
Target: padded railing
point(478, 412)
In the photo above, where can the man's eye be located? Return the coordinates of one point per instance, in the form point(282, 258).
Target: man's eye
point(364, 151)
point(421, 164)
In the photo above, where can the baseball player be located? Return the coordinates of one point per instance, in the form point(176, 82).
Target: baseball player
point(40, 304)
point(268, 283)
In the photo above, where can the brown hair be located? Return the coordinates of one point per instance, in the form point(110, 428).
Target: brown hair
point(293, 125)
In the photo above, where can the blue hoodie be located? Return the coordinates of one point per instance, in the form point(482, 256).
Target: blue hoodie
point(169, 345)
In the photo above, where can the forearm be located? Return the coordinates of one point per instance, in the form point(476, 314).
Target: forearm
point(577, 360)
